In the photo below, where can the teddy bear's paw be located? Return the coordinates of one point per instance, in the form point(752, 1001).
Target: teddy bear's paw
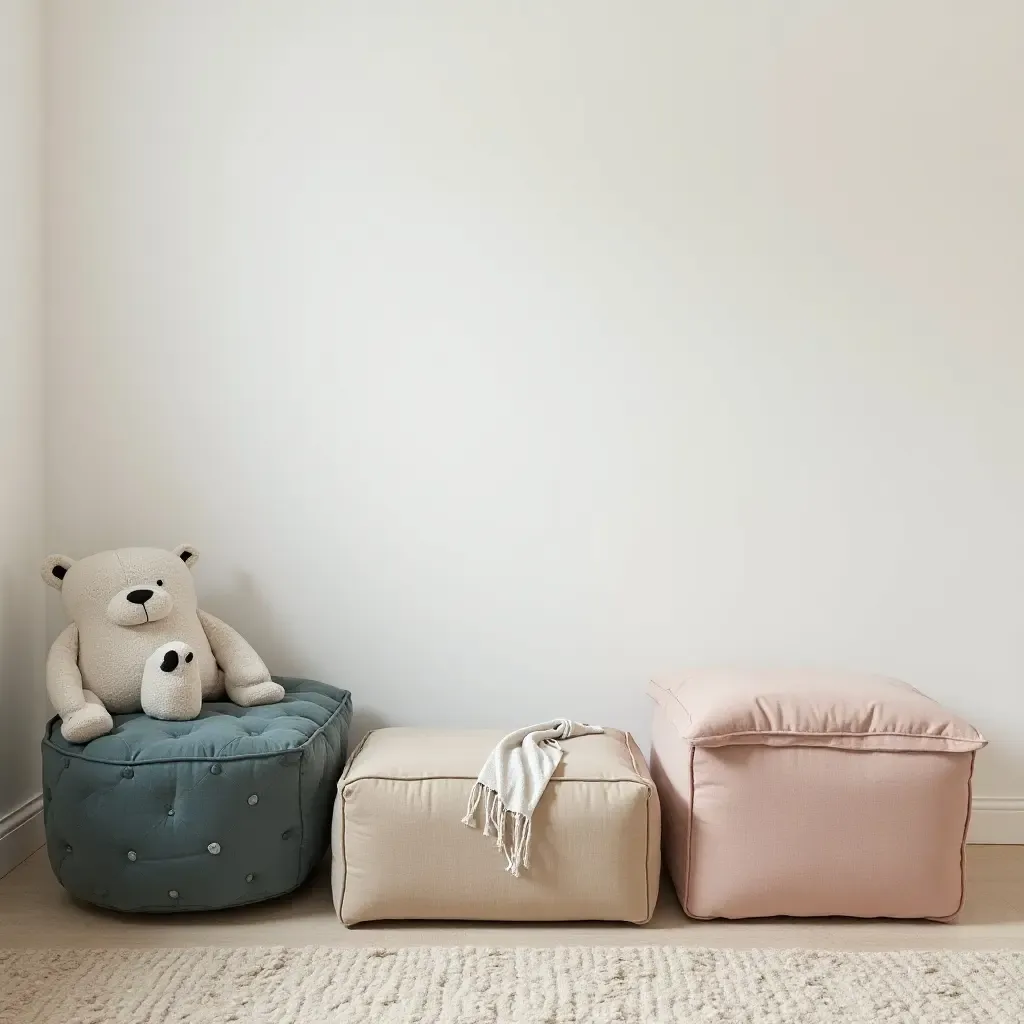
point(86, 724)
point(256, 694)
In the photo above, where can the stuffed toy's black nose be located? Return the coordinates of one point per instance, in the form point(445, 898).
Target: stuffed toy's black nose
point(140, 596)
point(170, 662)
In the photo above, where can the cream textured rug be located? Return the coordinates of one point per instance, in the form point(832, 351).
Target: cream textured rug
point(570, 985)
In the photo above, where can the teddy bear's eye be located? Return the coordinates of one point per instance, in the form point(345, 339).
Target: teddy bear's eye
point(159, 583)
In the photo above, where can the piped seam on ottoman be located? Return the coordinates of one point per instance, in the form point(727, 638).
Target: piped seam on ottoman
point(647, 808)
point(344, 848)
point(629, 750)
point(963, 847)
point(347, 767)
point(689, 846)
point(930, 742)
point(344, 851)
point(472, 778)
point(653, 684)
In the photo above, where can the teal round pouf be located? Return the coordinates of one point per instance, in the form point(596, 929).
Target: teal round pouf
point(231, 808)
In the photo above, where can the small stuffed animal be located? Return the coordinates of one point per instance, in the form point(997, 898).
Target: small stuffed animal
point(171, 688)
point(124, 606)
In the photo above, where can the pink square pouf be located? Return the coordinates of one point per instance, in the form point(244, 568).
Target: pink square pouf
point(811, 794)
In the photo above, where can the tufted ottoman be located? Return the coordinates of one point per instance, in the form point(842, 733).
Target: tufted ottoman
point(231, 808)
point(400, 849)
point(811, 794)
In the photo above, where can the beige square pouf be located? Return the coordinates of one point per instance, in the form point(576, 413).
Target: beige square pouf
point(400, 849)
point(811, 794)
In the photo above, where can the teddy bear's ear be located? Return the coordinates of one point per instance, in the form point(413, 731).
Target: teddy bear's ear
point(188, 554)
point(54, 569)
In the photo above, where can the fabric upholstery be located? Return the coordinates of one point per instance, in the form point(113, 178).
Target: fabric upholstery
point(811, 828)
point(401, 851)
point(230, 808)
point(809, 708)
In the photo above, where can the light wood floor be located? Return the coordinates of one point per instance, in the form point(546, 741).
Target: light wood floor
point(35, 912)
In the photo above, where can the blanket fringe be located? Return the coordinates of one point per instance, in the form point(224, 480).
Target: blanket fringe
point(511, 831)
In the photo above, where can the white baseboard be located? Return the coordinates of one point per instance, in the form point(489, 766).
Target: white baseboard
point(997, 820)
point(21, 834)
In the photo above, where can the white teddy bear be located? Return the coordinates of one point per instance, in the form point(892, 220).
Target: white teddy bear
point(135, 622)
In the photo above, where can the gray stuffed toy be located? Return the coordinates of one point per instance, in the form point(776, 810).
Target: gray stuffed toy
point(138, 641)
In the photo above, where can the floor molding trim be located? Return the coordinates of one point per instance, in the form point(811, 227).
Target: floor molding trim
point(997, 820)
point(21, 834)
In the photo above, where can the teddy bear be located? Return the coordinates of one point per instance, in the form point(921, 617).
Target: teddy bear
point(132, 611)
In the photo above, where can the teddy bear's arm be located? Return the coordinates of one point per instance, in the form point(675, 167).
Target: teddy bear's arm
point(63, 678)
point(82, 713)
point(246, 679)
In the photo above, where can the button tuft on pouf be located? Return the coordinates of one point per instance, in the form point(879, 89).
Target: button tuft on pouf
point(110, 826)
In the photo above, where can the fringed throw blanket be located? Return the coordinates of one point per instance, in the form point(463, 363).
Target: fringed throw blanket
point(512, 782)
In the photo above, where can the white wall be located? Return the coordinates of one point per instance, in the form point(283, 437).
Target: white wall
point(22, 640)
point(499, 356)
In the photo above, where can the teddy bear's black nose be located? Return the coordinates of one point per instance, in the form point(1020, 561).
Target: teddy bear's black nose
point(170, 662)
point(140, 596)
